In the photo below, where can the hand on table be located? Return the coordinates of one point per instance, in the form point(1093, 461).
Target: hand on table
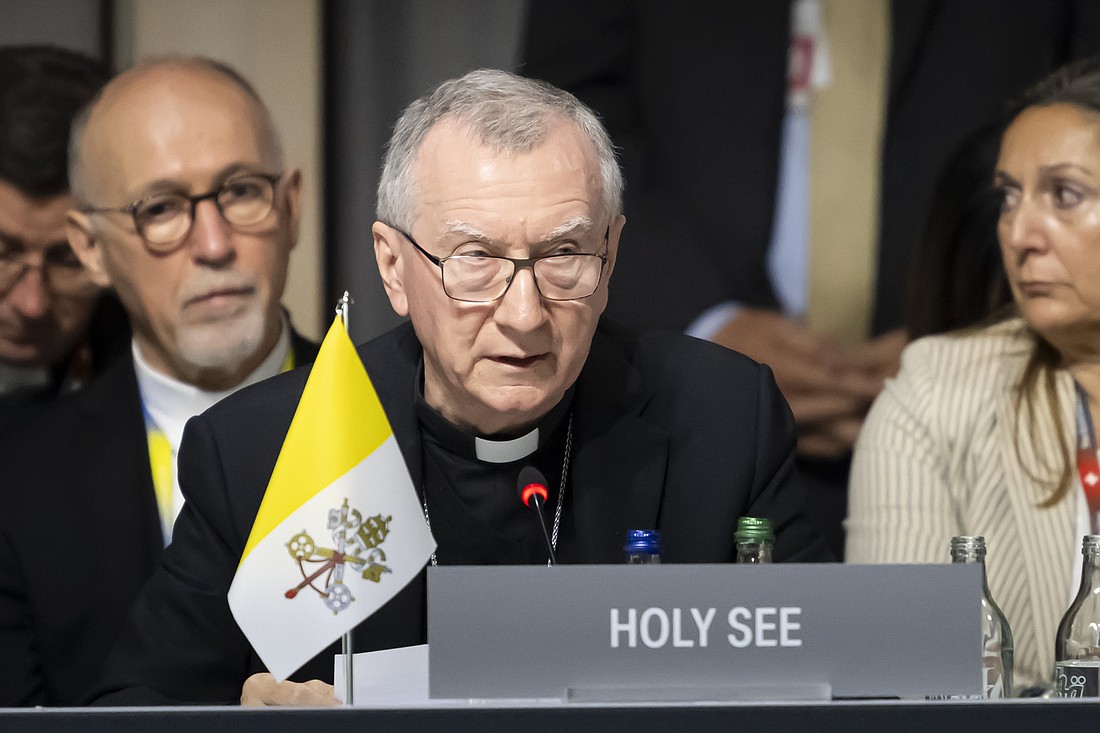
point(262, 689)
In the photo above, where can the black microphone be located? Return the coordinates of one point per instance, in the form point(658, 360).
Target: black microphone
point(533, 492)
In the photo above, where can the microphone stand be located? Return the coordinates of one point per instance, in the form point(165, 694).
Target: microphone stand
point(531, 486)
point(537, 501)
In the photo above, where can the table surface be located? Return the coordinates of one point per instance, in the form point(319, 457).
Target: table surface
point(876, 715)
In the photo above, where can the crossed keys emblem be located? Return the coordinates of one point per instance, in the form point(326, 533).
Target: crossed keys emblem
point(356, 543)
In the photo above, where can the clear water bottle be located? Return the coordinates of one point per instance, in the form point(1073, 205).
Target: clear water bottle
point(996, 633)
point(643, 547)
point(1077, 645)
point(754, 538)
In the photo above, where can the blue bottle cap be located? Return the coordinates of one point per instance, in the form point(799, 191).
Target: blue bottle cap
point(642, 542)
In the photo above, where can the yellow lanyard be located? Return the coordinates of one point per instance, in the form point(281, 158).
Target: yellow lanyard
point(160, 461)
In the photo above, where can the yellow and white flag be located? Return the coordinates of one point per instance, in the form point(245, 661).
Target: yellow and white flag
point(340, 530)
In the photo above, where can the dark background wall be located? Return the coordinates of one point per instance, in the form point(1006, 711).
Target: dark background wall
point(82, 25)
point(379, 56)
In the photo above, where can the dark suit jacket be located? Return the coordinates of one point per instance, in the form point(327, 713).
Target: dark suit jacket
point(79, 535)
point(693, 92)
point(670, 432)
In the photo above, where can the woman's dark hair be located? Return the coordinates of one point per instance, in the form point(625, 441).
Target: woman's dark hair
point(957, 279)
point(1076, 84)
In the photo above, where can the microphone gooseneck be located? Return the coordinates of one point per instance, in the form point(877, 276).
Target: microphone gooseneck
point(531, 486)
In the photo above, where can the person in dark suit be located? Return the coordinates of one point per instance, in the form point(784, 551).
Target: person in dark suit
point(57, 328)
point(186, 211)
point(499, 220)
point(694, 94)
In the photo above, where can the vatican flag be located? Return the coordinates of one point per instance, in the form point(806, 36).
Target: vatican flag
point(340, 530)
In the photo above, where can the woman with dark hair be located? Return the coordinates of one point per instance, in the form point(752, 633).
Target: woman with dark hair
point(977, 434)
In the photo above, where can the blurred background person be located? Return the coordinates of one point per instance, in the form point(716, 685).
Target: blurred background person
point(184, 206)
point(56, 325)
point(977, 434)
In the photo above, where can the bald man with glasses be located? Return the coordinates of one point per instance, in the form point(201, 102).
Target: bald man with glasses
point(182, 205)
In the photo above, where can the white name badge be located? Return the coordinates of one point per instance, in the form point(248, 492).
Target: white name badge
point(704, 632)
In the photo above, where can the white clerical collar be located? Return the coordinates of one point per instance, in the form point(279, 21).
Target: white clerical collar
point(170, 403)
point(506, 451)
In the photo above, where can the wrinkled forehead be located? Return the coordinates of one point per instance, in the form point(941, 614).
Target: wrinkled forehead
point(455, 167)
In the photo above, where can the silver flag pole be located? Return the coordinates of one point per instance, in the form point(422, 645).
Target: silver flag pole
point(346, 640)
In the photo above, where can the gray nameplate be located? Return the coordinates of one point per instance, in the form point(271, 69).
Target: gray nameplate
point(724, 631)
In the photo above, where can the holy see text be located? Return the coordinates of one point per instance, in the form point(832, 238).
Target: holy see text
point(763, 626)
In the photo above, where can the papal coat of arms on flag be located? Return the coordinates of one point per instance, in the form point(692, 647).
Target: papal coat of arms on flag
point(356, 543)
point(341, 503)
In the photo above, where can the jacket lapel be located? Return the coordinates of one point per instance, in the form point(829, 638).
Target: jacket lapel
point(617, 478)
point(114, 441)
point(391, 361)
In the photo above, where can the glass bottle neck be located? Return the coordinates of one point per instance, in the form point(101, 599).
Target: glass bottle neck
point(968, 549)
point(754, 552)
point(643, 558)
point(1090, 569)
point(972, 557)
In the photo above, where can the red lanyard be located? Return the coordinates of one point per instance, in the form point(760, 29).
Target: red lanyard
point(1088, 467)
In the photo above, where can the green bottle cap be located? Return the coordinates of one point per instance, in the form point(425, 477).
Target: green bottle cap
point(754, 529)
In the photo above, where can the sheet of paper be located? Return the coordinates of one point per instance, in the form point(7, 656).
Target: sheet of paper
point(399, 678)
point(388, 677)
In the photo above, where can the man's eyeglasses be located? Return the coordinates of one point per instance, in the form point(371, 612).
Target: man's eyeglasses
point(481, 278)
point(62, 271)
point(163, 220)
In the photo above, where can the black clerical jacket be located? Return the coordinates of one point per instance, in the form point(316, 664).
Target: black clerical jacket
point(670, 433)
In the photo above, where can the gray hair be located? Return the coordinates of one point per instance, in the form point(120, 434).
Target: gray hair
point(267, 134)
point(507, 113)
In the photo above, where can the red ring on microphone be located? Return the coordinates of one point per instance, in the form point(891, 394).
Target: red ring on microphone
point(530, 490)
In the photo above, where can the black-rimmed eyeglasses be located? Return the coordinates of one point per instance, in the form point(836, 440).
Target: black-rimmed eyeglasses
point(482, 278)
point(164, 220)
